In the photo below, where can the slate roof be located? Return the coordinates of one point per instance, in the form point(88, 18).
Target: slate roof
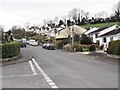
point(100, 29)
point(113, 32)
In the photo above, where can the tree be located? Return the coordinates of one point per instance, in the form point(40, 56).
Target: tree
point(1, 33)
point(28, 34)
point(18, 32)
point(117, 14)
point(10, 37)
point(9, 32)
point(69, 23)
point(64, 19)
point(60, 23)
point(86, 14)
point(76, 38)
point(74, 14)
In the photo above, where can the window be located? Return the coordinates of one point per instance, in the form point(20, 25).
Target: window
point(96, 35)
point(111, 38)
point(104, 40)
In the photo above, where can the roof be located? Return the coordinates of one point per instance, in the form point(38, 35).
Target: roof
point(65, 32)
point(78, 30)
point(108, 30)
point(100, 29)
point(113, 32)
point(61, 36)
point(91, 30)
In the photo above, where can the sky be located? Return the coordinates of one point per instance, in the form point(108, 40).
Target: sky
point(21, 12)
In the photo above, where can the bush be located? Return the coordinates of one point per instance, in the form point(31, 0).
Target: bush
point(101, 47)
point(59, 44)
point(114, 47)
point(85, 39)
point(77, 47)
point(67, 47)
point(92, 48)
point(9, 50)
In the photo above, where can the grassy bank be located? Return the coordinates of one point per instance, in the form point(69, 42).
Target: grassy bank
point(99, 25)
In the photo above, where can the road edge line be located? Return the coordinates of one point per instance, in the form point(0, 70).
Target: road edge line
point(32, 68)
point(48, 80)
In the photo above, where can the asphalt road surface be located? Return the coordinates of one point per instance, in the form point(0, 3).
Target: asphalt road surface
point(59, 69)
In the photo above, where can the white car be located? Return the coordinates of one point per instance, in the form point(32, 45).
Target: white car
point(24, 40)
point(33, 42)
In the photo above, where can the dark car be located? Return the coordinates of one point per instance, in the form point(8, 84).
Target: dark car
point(49, 46)
point(23, 44)
point(44, 45)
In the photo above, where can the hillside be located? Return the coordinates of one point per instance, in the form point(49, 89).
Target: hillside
point(99, 25)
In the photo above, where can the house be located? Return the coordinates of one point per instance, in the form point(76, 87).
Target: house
point(102, 38)
point(64, 33)
point(109, 36)
point(104, 35)
point(91, 30)
point(69, 31)
point(93, 33)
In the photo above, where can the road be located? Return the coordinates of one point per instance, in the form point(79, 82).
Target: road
point(62, 69)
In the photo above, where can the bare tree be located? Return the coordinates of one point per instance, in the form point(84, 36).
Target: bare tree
point(64, 18)
point(102, 14)
point(117, 11)
point(73, 14)
point(86, 14)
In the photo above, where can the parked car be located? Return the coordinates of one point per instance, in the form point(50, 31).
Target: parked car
point(22, 44)
point(24, 40)
point(49, 46)
point(27, 41)
point(44, 45)
point(33, 42)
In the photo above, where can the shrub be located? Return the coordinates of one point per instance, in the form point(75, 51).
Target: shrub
point(10, 50)
point(114, 47)
point(101, 47)
point(85, 39)
point(77, 47)
point(92, 48)
point(67, 47)
point(59, 44)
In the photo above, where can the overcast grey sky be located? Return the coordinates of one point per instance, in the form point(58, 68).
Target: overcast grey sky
point(18, 12)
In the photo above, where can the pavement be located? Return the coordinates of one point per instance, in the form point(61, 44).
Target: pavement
point(59, 69)
point(102, 56)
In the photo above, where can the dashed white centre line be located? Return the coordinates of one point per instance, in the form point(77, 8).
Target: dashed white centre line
point(32, 68)
point(48, 80)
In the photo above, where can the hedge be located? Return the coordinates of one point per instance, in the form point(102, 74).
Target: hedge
point(114, 47)
point(92, 48)
point(10, 50)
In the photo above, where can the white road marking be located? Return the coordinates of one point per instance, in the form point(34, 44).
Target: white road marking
point(32, 68)
point(48, 80)
point(17, 75)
